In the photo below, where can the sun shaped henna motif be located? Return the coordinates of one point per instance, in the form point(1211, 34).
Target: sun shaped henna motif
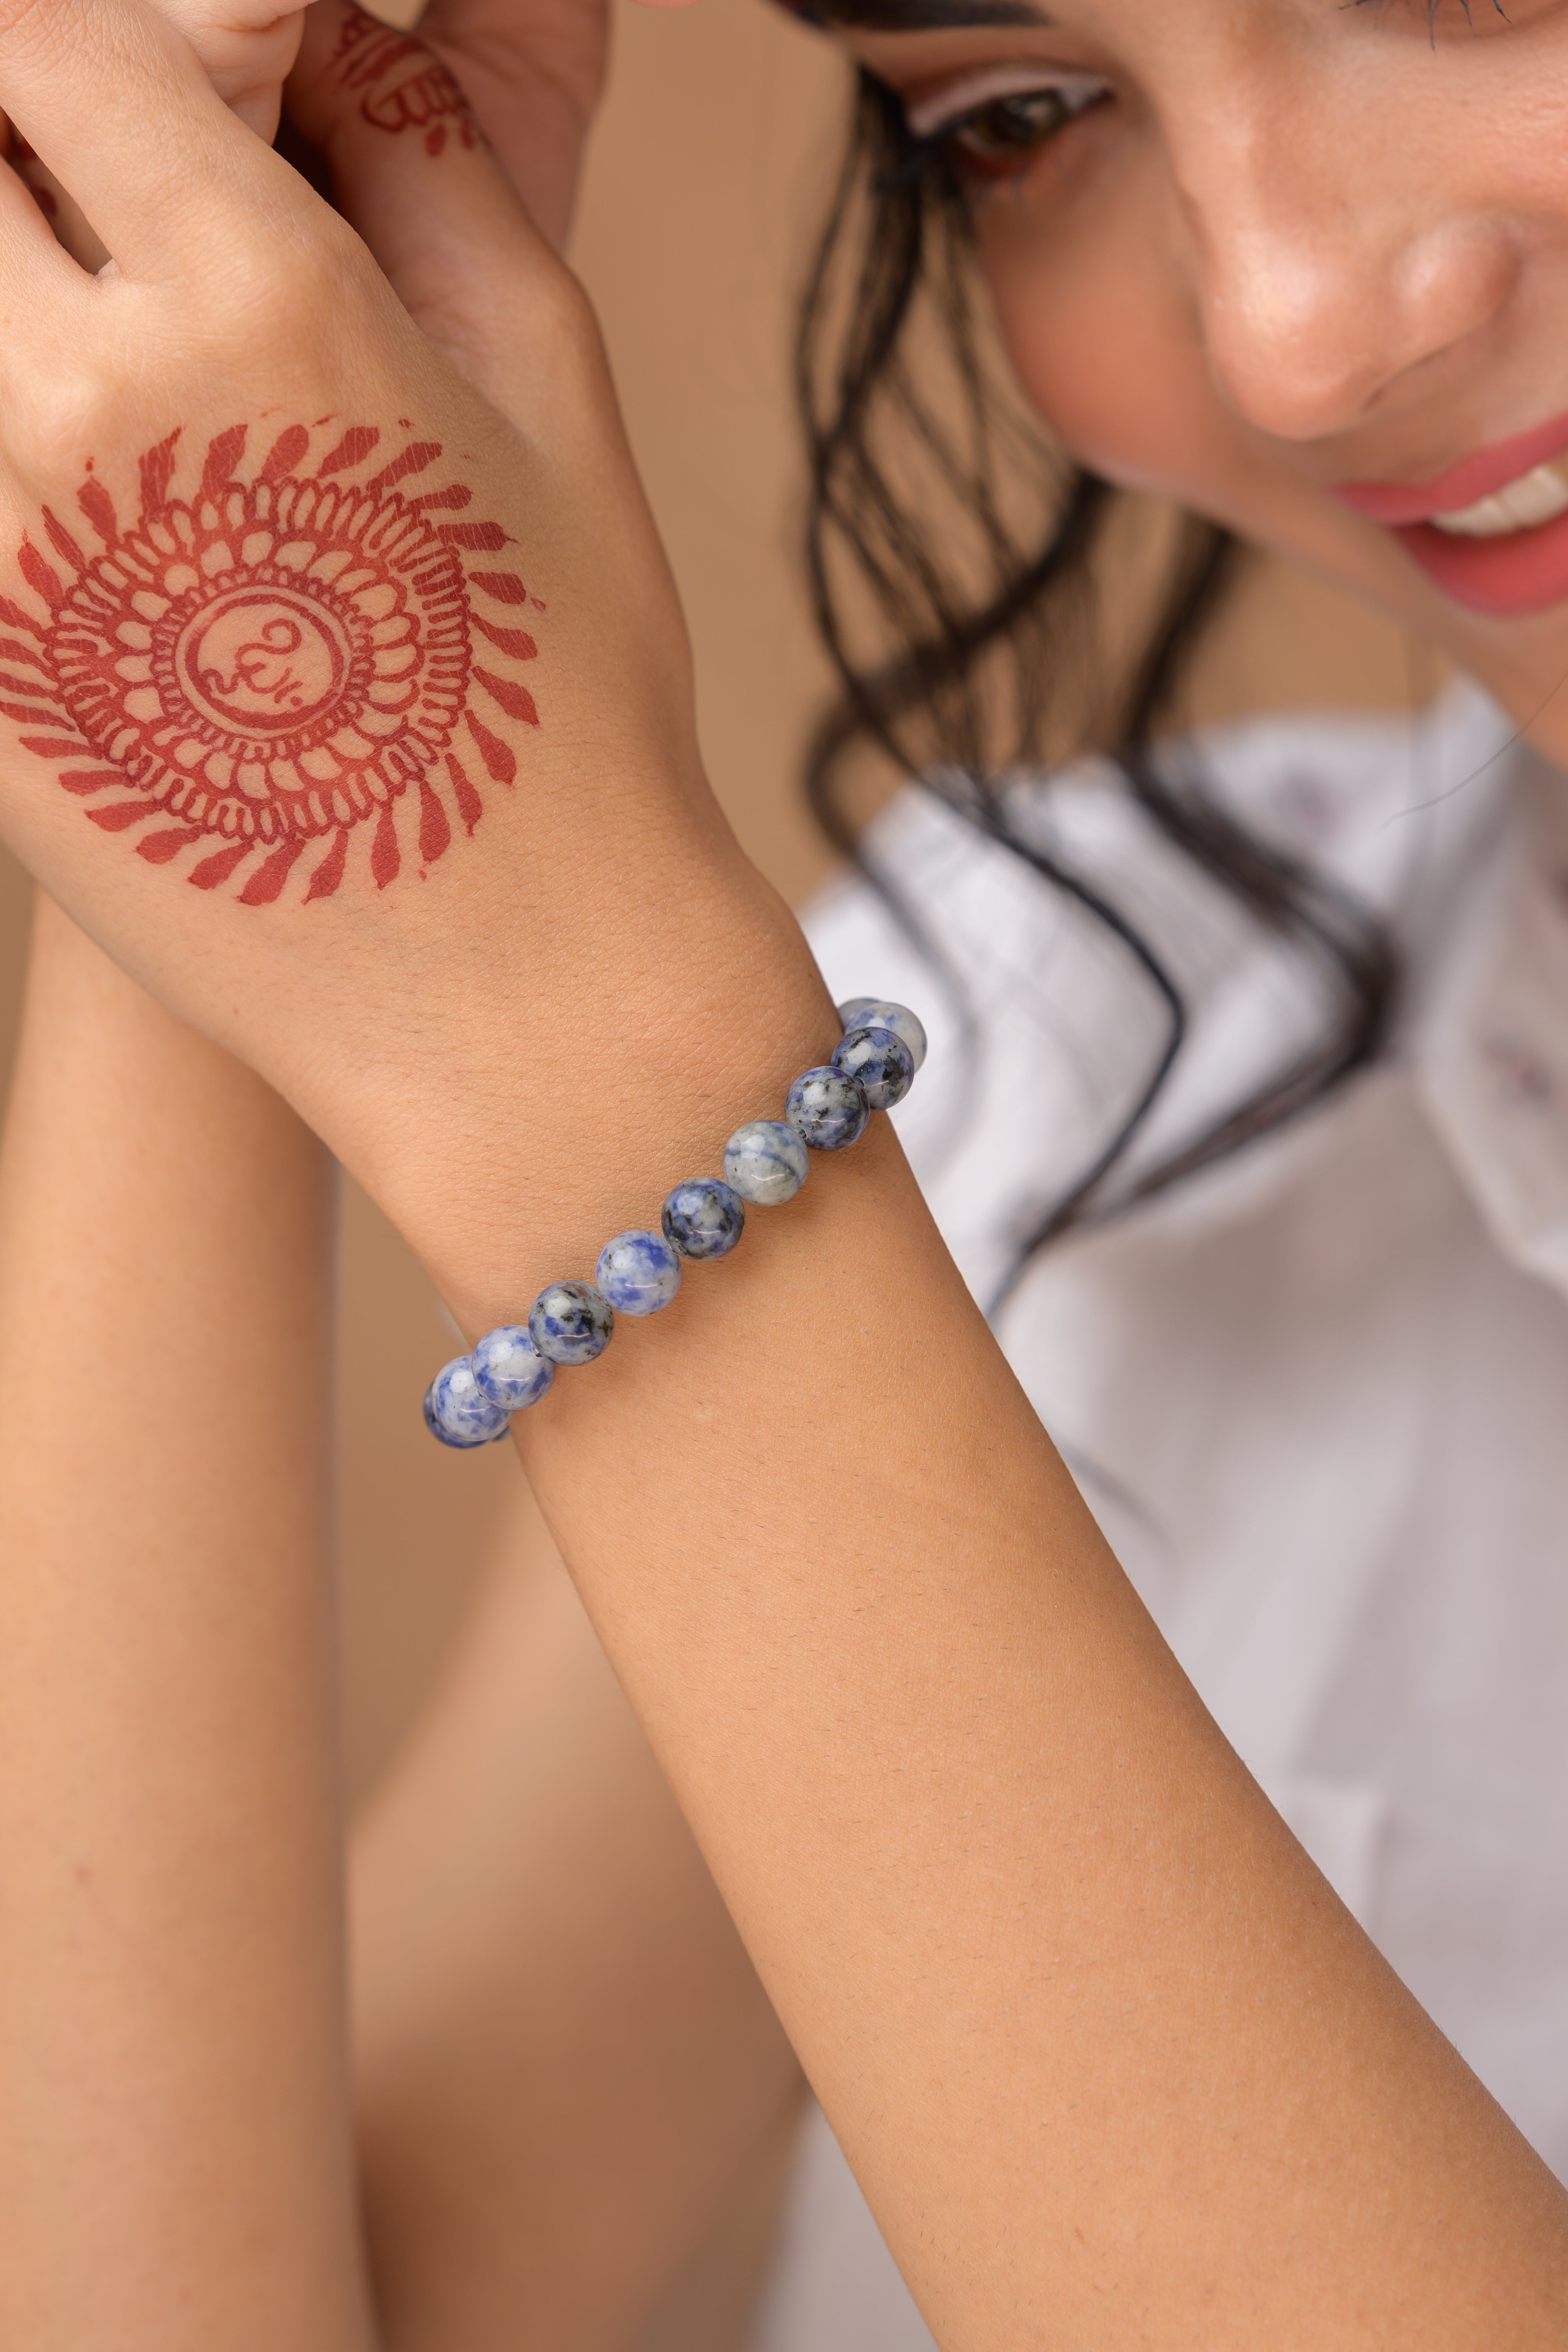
point(274, 663)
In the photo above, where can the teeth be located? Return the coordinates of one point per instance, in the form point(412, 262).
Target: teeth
point(1536, 498)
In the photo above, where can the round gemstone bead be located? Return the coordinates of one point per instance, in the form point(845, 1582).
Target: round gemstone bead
point(882, 1062)
point(638, 1272)
point(879, 1012)
point(828, 1109)
point(510, 1369)
point(765, 1162)
point(703, 1219)
point(457, 1410)
point(571, 1322)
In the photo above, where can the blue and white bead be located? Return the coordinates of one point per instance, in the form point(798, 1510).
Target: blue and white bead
point(879, 1013)
point(510, 1369)
point(828, 1109)
point(882, 1062)
point(703, 1219)
point(765, 1162)
point(638, 1272)
point(457, 1410)
point(571, 1322)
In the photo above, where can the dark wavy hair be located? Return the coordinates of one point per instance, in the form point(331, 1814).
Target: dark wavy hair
point(954, 560)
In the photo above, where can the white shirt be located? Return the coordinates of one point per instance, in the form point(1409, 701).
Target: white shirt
point(1317, 1395)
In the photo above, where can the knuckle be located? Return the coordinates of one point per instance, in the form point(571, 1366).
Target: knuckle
point(49, 425)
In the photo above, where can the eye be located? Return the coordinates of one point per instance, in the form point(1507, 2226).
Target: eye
point(992, 124)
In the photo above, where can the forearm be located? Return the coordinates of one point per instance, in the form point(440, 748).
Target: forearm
point(174, 2167)
point(564, 2059)
point(1087, 2022)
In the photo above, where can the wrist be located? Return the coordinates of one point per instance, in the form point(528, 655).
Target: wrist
point(523, 1158)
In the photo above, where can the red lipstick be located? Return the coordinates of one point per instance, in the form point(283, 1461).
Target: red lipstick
point(1519, 571)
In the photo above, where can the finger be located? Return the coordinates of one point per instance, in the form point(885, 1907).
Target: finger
point(412, 173)
point(533, 71)
point(35, 277)
point(118, 108)
point(246, 49)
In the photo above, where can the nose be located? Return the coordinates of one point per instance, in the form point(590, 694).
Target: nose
point(1330, 266)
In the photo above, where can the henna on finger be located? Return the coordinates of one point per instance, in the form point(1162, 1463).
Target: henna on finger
point(290, 660)
point(401, 85)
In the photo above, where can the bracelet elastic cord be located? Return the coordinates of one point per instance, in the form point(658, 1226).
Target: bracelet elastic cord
point(470, 1402)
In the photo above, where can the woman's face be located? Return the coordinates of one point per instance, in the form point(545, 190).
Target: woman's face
point(1299, 264)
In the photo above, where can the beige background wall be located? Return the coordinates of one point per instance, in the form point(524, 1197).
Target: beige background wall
point(712, 156)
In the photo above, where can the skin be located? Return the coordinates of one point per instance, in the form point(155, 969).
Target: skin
point(550, 1996)
point(171, 1975)
point(1319, 300)
point(1113, 2063)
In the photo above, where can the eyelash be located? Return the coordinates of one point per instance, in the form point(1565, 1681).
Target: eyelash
point(1435, 9)
point(941, 142)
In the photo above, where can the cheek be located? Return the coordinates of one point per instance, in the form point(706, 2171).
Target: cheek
point(1101, 325)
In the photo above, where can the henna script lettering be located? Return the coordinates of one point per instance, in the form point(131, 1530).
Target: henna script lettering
point(276, 664)
point(405, 87)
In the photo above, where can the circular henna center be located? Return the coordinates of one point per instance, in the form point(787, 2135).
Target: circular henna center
point(277, 663)
point(263, 662)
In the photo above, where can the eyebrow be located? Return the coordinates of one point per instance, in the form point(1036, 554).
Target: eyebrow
point(925, 16)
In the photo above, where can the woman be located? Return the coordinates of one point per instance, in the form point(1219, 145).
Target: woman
point(1108, 2056)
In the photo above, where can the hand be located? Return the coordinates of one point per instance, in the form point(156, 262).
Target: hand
point(353, 718)
point(246, 47)
point(535, 73)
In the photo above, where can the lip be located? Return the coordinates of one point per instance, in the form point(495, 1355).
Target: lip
point(1474, 478)
point(1523, 571)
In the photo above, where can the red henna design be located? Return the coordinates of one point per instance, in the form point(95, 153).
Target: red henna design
point(352, 450)
point(434, 826)
point(122, 814)
point(386, 858)
point(222, 463)
point(62, 542)
point(214, 871)
point(157, 474)
point(98, 507)
point(26, 716)
point(470, 808)
point(158, 848)
point(515, 700)
point(501, 587)
point(286, 454)
point(515, 642)
point(330, 872)
point(267, 883)
point(275, 663)
point(416, 459)
point(406, 88)
point(499, 765)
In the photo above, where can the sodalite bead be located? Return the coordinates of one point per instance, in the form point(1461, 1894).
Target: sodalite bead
point(765, 1162)
point(879, 1013)
point(638, 1272)
point(510, 1369)
point(703, 1219)
point(456, 1409)
point(571, 1322)
point(882, 1063)
point(828, 1109)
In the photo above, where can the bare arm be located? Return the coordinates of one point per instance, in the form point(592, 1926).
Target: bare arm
point(1113, 2063)
point(174, 2169)
point(565, 2060)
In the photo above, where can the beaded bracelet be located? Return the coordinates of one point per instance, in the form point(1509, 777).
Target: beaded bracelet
point(470, 1402)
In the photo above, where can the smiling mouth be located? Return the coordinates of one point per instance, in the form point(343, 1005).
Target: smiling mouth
point(1492, 532)
point(1538, 497)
